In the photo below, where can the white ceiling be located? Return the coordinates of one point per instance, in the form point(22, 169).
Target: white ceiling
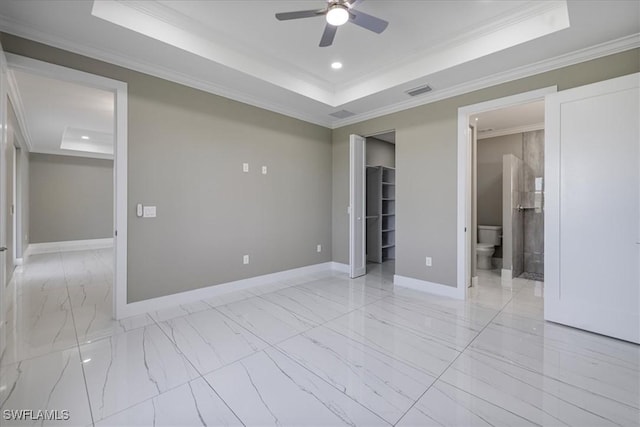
point(504, 121)
point(239, 50)
point(59, 114)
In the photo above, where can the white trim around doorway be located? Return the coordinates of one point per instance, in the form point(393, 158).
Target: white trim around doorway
point(463, 125)
point(119, 89)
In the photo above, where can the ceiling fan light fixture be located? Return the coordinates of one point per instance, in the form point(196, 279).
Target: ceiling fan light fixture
point(337, 15)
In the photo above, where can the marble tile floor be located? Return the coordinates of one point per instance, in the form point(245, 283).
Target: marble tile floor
point(316, 350)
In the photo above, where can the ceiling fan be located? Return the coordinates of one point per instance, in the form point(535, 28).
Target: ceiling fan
point(338, 12)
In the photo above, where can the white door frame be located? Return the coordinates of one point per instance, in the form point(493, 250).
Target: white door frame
point(464, 113)
point(3, 221)
point(119, 89)
point(357, 206)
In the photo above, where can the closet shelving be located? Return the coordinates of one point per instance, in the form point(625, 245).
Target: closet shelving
point(381, 211)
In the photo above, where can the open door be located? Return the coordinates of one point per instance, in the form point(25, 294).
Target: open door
point(592, 215)
point(357, 258)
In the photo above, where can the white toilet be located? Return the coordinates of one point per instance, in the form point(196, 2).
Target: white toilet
point(489, 236)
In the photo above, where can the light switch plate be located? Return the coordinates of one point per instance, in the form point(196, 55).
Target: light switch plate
point(319, 248)
point(149, 211)
point(428, 261)
point(245, 259)
point(245, 167)
point(264, 170)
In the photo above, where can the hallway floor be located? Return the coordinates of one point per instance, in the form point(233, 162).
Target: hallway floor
point(318, 350)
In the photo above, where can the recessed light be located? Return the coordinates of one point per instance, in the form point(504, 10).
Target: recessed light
point(84, 137)
point(336, 65)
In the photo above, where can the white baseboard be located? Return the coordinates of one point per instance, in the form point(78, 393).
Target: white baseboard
point(153, 304)
point(429, 287)
point(19, 261)
point(340, 267)
point(506, 274)
point(71, 245)
point(474, 281)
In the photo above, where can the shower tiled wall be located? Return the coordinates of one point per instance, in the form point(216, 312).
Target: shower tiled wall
point(533, 221)
point(523, 229)
point(513, 222)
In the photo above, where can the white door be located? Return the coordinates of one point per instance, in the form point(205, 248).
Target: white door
point(3, 196)
point(357, 258)
point(592, 215)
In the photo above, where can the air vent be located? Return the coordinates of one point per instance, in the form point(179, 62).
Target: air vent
point(485, 130)
point(419, 90)
point(342, 114)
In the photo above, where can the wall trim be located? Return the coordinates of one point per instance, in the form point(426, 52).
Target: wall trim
point(167, 301)
point(511, 131)
point(18, 107)
point(19, 262)
point(340, 267)
point(429, 287)
point(506, 274)
point(67, 246)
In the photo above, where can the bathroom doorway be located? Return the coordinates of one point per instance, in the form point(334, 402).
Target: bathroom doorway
point(510, 177)
point(501, 189)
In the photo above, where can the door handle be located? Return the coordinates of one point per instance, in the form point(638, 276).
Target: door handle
point(2, 249)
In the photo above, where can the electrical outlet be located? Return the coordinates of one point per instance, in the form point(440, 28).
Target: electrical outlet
point(245, 259)
point(428, 261)
point(264, 170)
point(245, 167)
point(319, 248)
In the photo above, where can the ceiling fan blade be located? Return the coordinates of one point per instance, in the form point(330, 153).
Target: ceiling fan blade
point(328, 35)
point(285, 16)
point(367, 21)
point(354, 3)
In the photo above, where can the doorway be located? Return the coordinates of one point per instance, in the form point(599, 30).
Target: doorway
point(117, 103)
point(468, 180)
point(373, 203)
point(508, 166)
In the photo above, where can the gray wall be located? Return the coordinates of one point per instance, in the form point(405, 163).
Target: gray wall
point(186, 150)
point(426, 162)
point(70, 198)
point(533, 152)
point(380, 153)
point(490, 152)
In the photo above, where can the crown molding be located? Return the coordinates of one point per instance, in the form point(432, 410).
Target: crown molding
point(165, 73)
point(582, 55)
point(576, 57)
point(510, 131)
point(18, 108)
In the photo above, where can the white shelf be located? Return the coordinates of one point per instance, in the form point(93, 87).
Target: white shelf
point(381, 197)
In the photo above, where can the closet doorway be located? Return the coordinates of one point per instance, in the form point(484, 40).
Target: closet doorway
point(377, 247)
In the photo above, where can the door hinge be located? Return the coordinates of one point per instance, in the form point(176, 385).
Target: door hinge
point(116, 233)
